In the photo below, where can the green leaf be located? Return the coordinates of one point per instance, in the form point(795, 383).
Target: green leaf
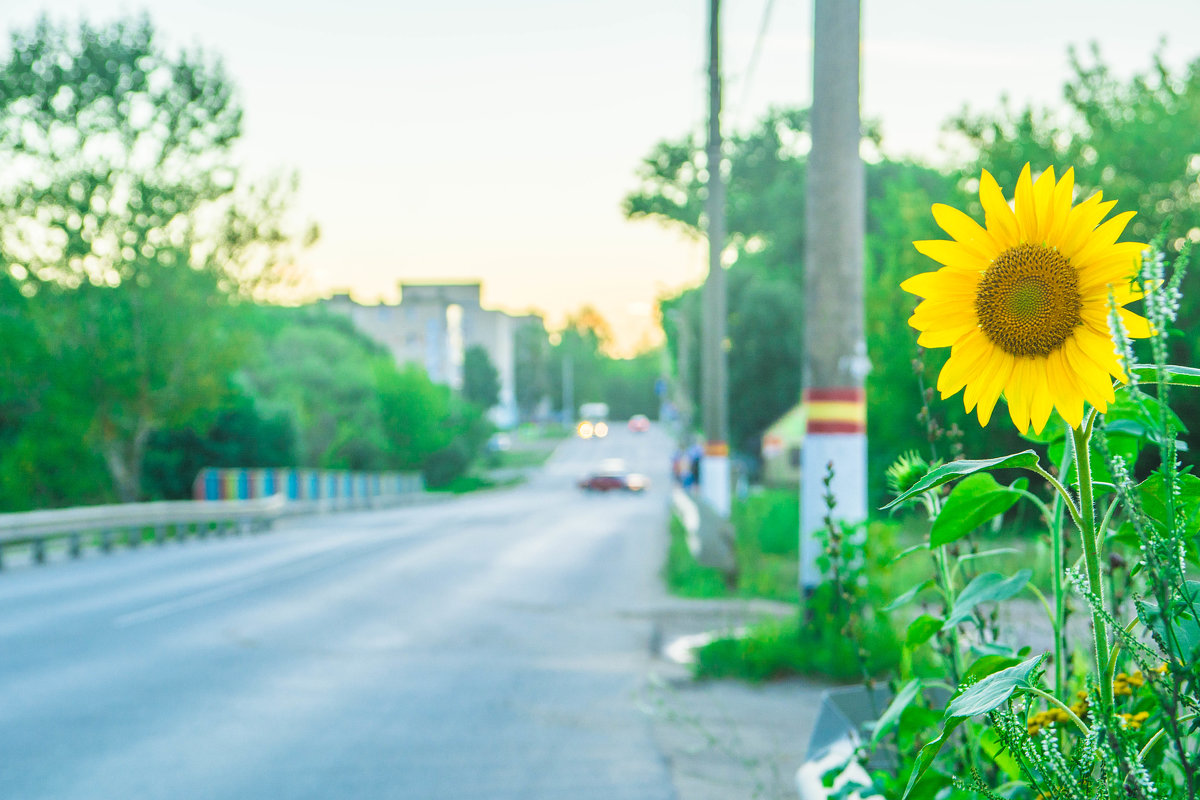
point(986, 588)
point(975, 500)
point(1026, 459)
point(1056, 430)
point(986, 665)
point(993, 690)
point(892, 713)
point(921, 629)
point(1000, 755)
point(928, 753)
point(1173, 375)
point(908, 596)
point(1152, 492)
point(1182, 634)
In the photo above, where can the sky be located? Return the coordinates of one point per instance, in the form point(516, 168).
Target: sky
point(455, 140)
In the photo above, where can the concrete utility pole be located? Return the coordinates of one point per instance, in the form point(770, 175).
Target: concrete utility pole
point(835, 350)
point(714, 467)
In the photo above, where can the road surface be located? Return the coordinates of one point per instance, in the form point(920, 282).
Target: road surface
point(490, 646)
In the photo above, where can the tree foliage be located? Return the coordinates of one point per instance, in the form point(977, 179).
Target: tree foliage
point(121, 225)
point(766, 222)
point(481, 380)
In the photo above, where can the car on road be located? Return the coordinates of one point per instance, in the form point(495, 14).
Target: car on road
point(612, 475)
point(588, 429)
point(639, 423)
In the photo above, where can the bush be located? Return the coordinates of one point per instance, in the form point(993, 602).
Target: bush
point(444, 466)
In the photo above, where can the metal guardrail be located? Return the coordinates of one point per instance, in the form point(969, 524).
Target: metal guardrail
point(129, 521)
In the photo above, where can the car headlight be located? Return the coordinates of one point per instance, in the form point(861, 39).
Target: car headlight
point(601, 430)
point(585, 430)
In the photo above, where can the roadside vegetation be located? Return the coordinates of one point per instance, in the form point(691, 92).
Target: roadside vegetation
point(147, 300)
point(1085, 535)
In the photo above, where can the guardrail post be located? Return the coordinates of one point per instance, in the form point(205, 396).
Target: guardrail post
point(39, 551)
point(160, 534)
point(75, 548)
point(133, 537)
point(106, 541)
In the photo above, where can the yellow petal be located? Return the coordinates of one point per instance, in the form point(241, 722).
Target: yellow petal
point(1138, 327)
point(943, 337)
point(1043, 194)
point(1092, 380)
point(952, 254)
point(1060, 206)
point(994, 386)
point(1042, 400)
point(976, 387)
point(998, 217)
point(966, 360)
point(1099, 347)
point(967, 232)
point(1121, 254)
point(1018, 394)
point(944, 281)
point(1099, 281)
point(1067, 397)
point(1082, 220)
point(1026, 208)
point(943, 312)
point(1103, 237)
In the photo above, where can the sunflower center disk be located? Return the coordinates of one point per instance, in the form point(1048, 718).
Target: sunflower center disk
point(1028, 300)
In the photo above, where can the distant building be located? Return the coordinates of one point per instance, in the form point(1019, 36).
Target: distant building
point(781, 447)
point(434, 324)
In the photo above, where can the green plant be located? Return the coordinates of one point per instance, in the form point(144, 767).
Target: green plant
point(683, 575)
point(1120, 720)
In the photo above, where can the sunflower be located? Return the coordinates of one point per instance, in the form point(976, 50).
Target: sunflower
point(1023, 303)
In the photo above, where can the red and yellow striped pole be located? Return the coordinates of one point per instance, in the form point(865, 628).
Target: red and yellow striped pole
point(835, 433)
point(841, 410)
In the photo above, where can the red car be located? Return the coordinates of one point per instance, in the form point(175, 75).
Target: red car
point(612, 475)
point(639, 423)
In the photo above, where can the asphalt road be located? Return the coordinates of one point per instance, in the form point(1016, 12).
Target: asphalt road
point(490, 646)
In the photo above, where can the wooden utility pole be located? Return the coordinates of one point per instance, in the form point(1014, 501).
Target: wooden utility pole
point(714, 468)
point(835, 351)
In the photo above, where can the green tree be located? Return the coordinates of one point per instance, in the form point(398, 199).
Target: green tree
point(481, 380)
point(766, 202)
point(413, 410)
point(235, 435)
point(531, 367)
point(580, 343)
point(629, 384)
point(323, 377)
point(123, 220)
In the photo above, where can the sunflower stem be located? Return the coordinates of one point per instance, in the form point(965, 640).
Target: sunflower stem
point(1058, 572)
point(1087, 530)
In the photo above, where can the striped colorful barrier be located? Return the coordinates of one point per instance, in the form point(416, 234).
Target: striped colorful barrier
point(341, 488)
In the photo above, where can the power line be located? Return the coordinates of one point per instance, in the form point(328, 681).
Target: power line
point(752, 65)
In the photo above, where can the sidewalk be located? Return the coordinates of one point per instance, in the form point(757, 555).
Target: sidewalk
point(726, 740)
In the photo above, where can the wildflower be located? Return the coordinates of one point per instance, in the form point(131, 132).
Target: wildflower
point(1134, 721)
point(1023, 302)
